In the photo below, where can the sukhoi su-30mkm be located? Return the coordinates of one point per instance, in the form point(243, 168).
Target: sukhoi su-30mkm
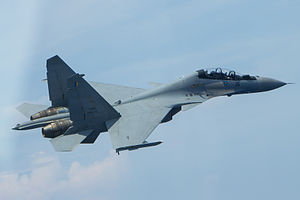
point(81, 110)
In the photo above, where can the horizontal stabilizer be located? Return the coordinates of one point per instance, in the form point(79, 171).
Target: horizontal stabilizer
point(134, 147)
point(28, 109)
point(66, 143)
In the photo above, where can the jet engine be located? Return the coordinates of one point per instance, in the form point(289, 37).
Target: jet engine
point(56, 128)
point(49, 112)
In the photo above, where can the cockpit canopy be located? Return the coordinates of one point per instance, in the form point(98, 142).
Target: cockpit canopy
point(222, 74)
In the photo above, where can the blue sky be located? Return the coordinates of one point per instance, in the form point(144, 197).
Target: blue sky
point(243, 147)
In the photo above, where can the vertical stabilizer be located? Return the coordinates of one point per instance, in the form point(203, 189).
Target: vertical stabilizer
point(57, 74)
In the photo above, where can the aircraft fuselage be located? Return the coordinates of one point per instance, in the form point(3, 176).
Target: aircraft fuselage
point(192, 89)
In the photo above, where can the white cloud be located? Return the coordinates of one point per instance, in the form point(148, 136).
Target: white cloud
point(49, 180)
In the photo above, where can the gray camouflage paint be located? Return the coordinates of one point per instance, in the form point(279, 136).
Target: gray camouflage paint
point(131, 114)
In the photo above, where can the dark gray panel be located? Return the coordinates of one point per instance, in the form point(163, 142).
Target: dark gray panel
point(170, 114)
point(91, 138)
point(57, 74)
point(87, 107)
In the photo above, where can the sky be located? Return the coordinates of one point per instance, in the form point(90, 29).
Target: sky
point(242, 147)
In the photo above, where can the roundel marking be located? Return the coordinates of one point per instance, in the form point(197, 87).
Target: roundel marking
point(226, 83)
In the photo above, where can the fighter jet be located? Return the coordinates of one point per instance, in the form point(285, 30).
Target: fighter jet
point(81, 110)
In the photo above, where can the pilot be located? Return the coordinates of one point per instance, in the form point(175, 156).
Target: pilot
point(201, 74)
point(218, 74)
point(232, 75)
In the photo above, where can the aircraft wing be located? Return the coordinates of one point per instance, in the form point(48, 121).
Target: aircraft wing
point(111, 93)
point(138, 121)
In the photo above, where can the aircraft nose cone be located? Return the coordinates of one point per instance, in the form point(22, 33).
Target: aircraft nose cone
point(267, 84)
